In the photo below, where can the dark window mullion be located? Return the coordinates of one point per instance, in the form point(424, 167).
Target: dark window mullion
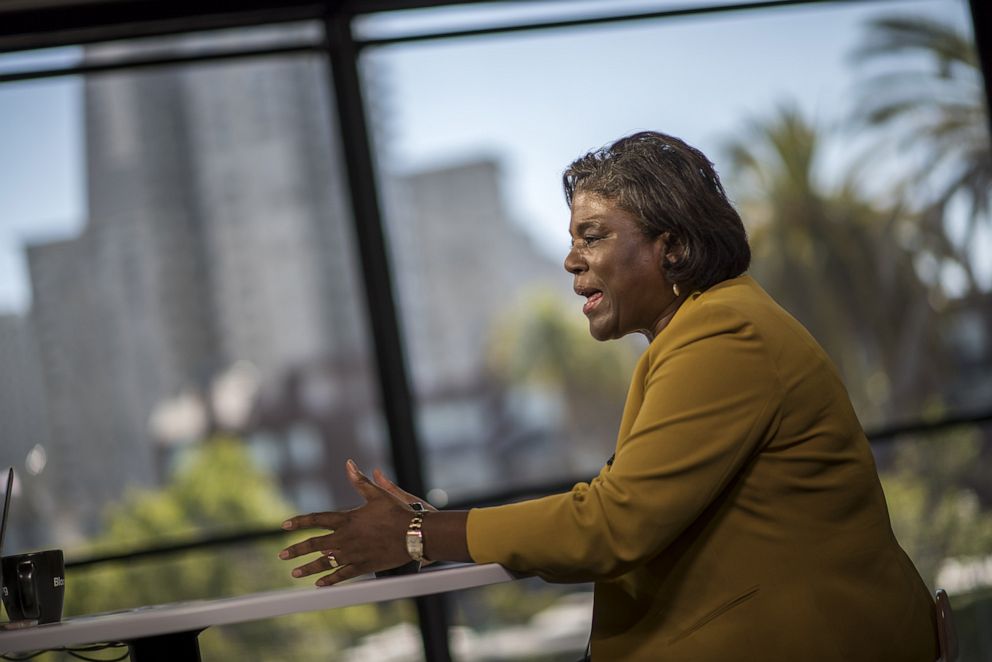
point(397, 402)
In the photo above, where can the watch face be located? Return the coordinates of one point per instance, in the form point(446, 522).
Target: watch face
point(415, 545)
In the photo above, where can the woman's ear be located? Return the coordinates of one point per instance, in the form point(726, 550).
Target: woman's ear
point(671, 249)
point(660, 249)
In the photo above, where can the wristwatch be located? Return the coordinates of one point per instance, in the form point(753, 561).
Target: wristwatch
point(415, 533)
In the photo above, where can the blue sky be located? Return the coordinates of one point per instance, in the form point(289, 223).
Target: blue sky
point(535, 101)
point(541, 100)
point(41, 178)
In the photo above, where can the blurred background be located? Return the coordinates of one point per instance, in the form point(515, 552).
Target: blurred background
point(198, 324)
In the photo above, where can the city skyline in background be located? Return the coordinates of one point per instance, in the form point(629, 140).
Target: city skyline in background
point(219, 251)
point(196, 358)
point(218, 235)
point(448, 101)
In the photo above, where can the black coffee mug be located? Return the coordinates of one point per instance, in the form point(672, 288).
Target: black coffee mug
point(34, 586)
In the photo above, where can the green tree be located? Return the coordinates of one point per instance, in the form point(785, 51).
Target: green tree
point(866, 272)
point(923, 85)
point(216, 488)
point(935, 508)
point(922, 93)
point(828, 254)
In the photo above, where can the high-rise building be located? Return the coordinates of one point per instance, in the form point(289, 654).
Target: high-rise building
point(24, 436)
point(461, 264)
point(219, 233)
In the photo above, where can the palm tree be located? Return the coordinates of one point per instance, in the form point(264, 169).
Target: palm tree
point(923, 85)
point(828, 256)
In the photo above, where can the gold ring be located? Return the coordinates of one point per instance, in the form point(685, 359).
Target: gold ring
point(333, 561)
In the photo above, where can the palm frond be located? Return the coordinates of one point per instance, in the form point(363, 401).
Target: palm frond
point(935, 115)
point(891, 35)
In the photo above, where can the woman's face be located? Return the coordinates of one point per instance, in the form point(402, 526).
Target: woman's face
point(618, 269)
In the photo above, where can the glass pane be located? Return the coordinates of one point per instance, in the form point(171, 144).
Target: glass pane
point(473, 135)
point(211, 42)
point(937, 488)
point(522, 620)
point(183, 334)
point(43, 58)
point(241, 569)
point(383, 631)
point(480, 15)
point(186, 45)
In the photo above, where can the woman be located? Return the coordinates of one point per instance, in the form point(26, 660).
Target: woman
point(741, 516)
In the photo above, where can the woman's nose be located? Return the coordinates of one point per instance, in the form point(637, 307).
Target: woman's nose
point(573, 263)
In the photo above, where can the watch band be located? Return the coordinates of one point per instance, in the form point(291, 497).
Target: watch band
point(415, 533)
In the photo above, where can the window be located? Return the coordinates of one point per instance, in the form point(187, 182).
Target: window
point(471, 150)
point(181, 296)
point(183, 328)
point(473, 133)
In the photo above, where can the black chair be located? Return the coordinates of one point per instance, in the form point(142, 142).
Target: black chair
point(947, 636)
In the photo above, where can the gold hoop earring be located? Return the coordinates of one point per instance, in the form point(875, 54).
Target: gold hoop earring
point(675, 289)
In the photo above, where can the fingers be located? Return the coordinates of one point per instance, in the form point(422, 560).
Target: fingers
point(396, 491)
point(361, 482)
point(348, 571)
point(334, 520)
point(380, 479)
point(320, 564)
point(326, 561)
point(328, 520)
point(308, 546)
point(336, 574)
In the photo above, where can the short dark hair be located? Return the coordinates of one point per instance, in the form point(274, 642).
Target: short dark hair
point(670, 187)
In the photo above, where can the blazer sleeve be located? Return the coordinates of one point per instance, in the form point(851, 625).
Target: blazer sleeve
point(710, 396)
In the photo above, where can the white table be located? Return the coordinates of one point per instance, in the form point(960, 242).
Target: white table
point(169, 631)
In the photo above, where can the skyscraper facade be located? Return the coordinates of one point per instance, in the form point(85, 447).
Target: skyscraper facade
point(219, 234)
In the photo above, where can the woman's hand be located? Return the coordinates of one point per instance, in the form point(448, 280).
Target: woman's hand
point(404, 496)
point(367, 539)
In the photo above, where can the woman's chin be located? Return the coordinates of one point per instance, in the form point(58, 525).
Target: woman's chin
point(600, 331)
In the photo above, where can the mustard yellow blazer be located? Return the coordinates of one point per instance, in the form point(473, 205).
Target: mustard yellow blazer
point(742, 517)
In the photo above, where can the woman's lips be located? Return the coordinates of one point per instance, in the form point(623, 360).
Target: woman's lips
point(592, 302)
